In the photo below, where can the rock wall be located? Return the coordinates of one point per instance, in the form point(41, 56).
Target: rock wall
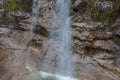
point(96, 39)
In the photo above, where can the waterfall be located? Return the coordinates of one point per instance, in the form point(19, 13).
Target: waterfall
point(35, 13)
point(64, 59)
point(58, 53)
point(60, 40)
point(22, 39)
point(34, 19)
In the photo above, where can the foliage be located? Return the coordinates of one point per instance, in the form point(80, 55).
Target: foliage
point(96, 14)
point(106, 16)
point(41, 30)
point(9, 5)
point(116, 38)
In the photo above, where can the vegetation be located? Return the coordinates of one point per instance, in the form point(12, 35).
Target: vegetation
point(106, 16)
point(9, 5)
point(41, 30)
point(116, 38)
point(13, 5)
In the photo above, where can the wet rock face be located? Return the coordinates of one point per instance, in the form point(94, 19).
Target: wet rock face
point(96, 47)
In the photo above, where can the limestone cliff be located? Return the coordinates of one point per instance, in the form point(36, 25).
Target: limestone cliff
point(96, 39)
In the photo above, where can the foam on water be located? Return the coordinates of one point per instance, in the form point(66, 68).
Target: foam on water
point(58, 77)
point(60, 40)
point(45, 76)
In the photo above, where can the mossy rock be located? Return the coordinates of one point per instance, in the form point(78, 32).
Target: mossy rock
point(98, 14)
point(39, 29)
point(116, 38)
point(106, 16)
point(9, 5)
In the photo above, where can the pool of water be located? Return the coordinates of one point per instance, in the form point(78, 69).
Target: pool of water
point(48, 76)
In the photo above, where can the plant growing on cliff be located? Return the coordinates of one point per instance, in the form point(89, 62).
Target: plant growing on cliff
point(96, 14)
point(8, 5)
point(106, 16)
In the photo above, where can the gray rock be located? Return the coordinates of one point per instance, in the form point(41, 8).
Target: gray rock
point(105, 5)
point(107, 45)
point(116, 27)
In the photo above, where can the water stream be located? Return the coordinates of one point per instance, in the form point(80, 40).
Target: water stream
point(64, 59)
point(60, 40)
point(34, 20)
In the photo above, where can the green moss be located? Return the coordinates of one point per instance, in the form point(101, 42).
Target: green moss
point(108, 16)
point(39, 29)
point(98, 14)
point(9, 5)
point(116, 38)
point(12, 5)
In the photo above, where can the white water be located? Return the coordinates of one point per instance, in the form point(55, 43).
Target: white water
point(34, 19)
point(60, 41)
point(20, 40)
point(44, 76)
point(60, 44)
point(35, 13)
point(64, 65)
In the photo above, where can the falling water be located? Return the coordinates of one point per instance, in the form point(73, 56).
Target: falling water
point(59, 48)
point(35, 13)
point(22, 39)
point(34, 19)
point(64, 59)
point(60, 40)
